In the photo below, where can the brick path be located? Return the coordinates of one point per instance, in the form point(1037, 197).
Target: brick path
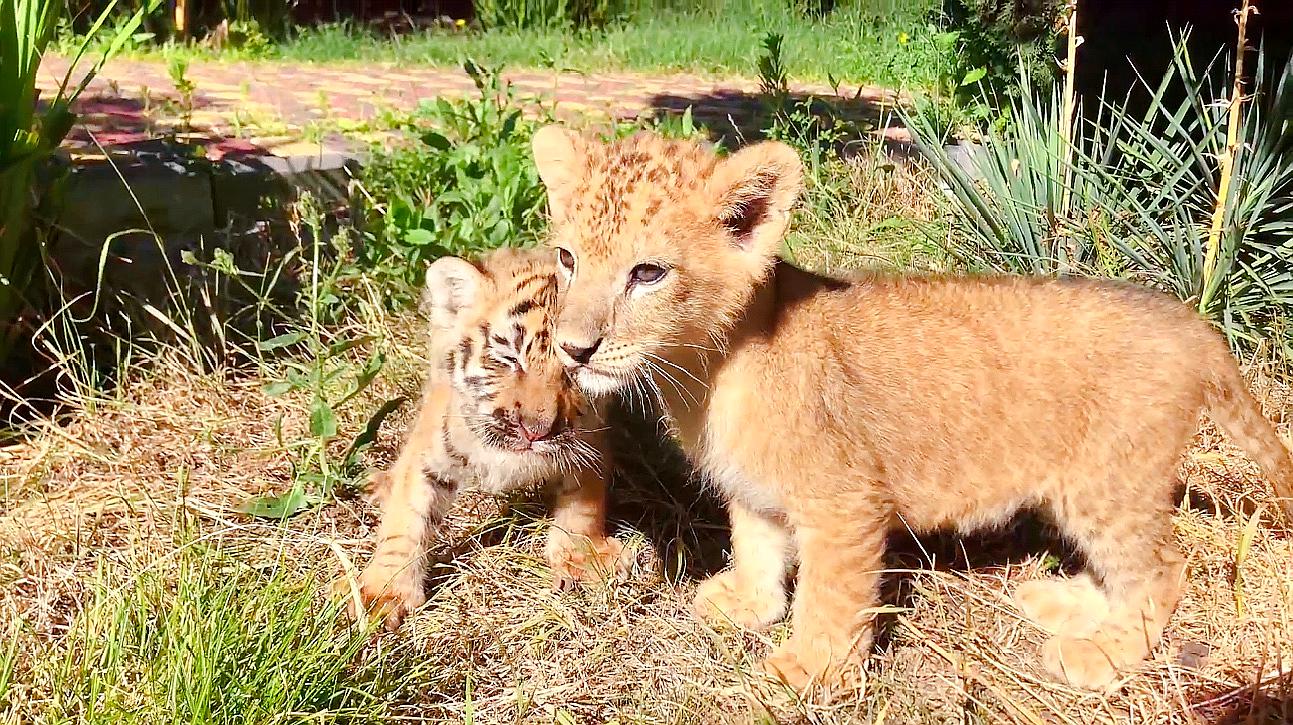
point(262, 108)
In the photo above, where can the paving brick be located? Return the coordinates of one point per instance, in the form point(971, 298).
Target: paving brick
point(132, 98)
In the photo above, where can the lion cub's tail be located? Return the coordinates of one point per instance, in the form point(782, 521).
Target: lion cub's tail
point(1232, 407)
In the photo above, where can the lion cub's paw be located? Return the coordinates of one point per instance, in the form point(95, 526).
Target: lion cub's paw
point(1081, 662)
point(1073, 606)
point(386, 596)
point(725, 597)
point(576, 558)
point(812, 671)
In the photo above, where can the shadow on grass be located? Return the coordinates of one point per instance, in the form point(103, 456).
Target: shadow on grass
point(655, 492)
point(739, 117)
point(1266, 703)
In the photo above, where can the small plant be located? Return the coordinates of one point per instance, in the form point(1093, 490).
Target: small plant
point(177, 68)
point(814, 126)
point(326, 370)
point(462, 183)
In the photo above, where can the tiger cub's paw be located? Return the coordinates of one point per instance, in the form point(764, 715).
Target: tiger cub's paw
point(385, 596)
point(575, 558)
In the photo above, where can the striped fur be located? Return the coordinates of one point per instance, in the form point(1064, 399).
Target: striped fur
point(492, 382)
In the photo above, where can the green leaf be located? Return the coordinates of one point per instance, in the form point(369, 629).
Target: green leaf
point(284, 340)
point(279, 506)
point(419, 237)
point(368, 435)
point(973, 76)
point(436, 141)
point(323, 422)
point(277, 388)
point(346, 345)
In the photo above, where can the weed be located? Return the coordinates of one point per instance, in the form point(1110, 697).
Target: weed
point(177, 68)
point(334, 360)
point(814, 126)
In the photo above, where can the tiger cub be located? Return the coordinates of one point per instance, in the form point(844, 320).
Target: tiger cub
point(497, 413)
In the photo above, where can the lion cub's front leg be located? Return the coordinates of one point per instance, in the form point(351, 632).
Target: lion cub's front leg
point(841, 555)
point(578, 548)
point(752, 593)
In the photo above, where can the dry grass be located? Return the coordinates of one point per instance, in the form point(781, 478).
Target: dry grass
point(875, 207)
point(127, 482)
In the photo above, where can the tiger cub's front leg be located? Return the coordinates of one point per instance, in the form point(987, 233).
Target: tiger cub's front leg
point(578, 548)
point(393, 584)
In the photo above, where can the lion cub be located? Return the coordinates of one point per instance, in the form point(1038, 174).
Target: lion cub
point(497, 413)
point(830, 412)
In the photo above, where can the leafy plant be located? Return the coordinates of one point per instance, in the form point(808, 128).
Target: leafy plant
point(29, 134)
point(177, 68)
point(324, 369)
point(1134, 197)
point(815, 126)
point(463, 182)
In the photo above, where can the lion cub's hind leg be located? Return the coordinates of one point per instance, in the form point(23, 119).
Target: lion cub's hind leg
point(1125, 529)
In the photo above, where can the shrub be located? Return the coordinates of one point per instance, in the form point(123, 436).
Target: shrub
point(990, 39)
point(1134, 197)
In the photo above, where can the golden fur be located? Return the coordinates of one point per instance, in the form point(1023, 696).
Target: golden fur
point(831, 412)
point(497, 413)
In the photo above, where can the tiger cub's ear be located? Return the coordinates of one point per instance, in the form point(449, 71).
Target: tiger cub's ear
point(451, 286)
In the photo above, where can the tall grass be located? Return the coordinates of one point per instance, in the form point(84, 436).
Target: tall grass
point(1134, 196)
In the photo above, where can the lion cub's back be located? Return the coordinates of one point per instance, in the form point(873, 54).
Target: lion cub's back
point(992, 364)
point(1024, 324)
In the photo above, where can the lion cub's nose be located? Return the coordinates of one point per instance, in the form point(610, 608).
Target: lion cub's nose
point(579, 353)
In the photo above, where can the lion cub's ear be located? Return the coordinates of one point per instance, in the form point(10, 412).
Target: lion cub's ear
point(753, 191)
point(559, 155)
point(451, 286)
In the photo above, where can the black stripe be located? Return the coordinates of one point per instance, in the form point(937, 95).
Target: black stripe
point(464, 353)
point(520, 308)
point(532, 278)
point(450, 450)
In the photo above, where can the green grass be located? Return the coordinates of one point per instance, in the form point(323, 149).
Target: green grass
point(887, 42)
point(206, 638)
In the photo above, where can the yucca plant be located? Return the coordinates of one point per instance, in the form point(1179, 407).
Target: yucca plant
point(28, 135)
point(1134, 196)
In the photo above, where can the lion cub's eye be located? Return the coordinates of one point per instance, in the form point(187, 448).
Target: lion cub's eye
point(566, 259)
point(647, 273)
